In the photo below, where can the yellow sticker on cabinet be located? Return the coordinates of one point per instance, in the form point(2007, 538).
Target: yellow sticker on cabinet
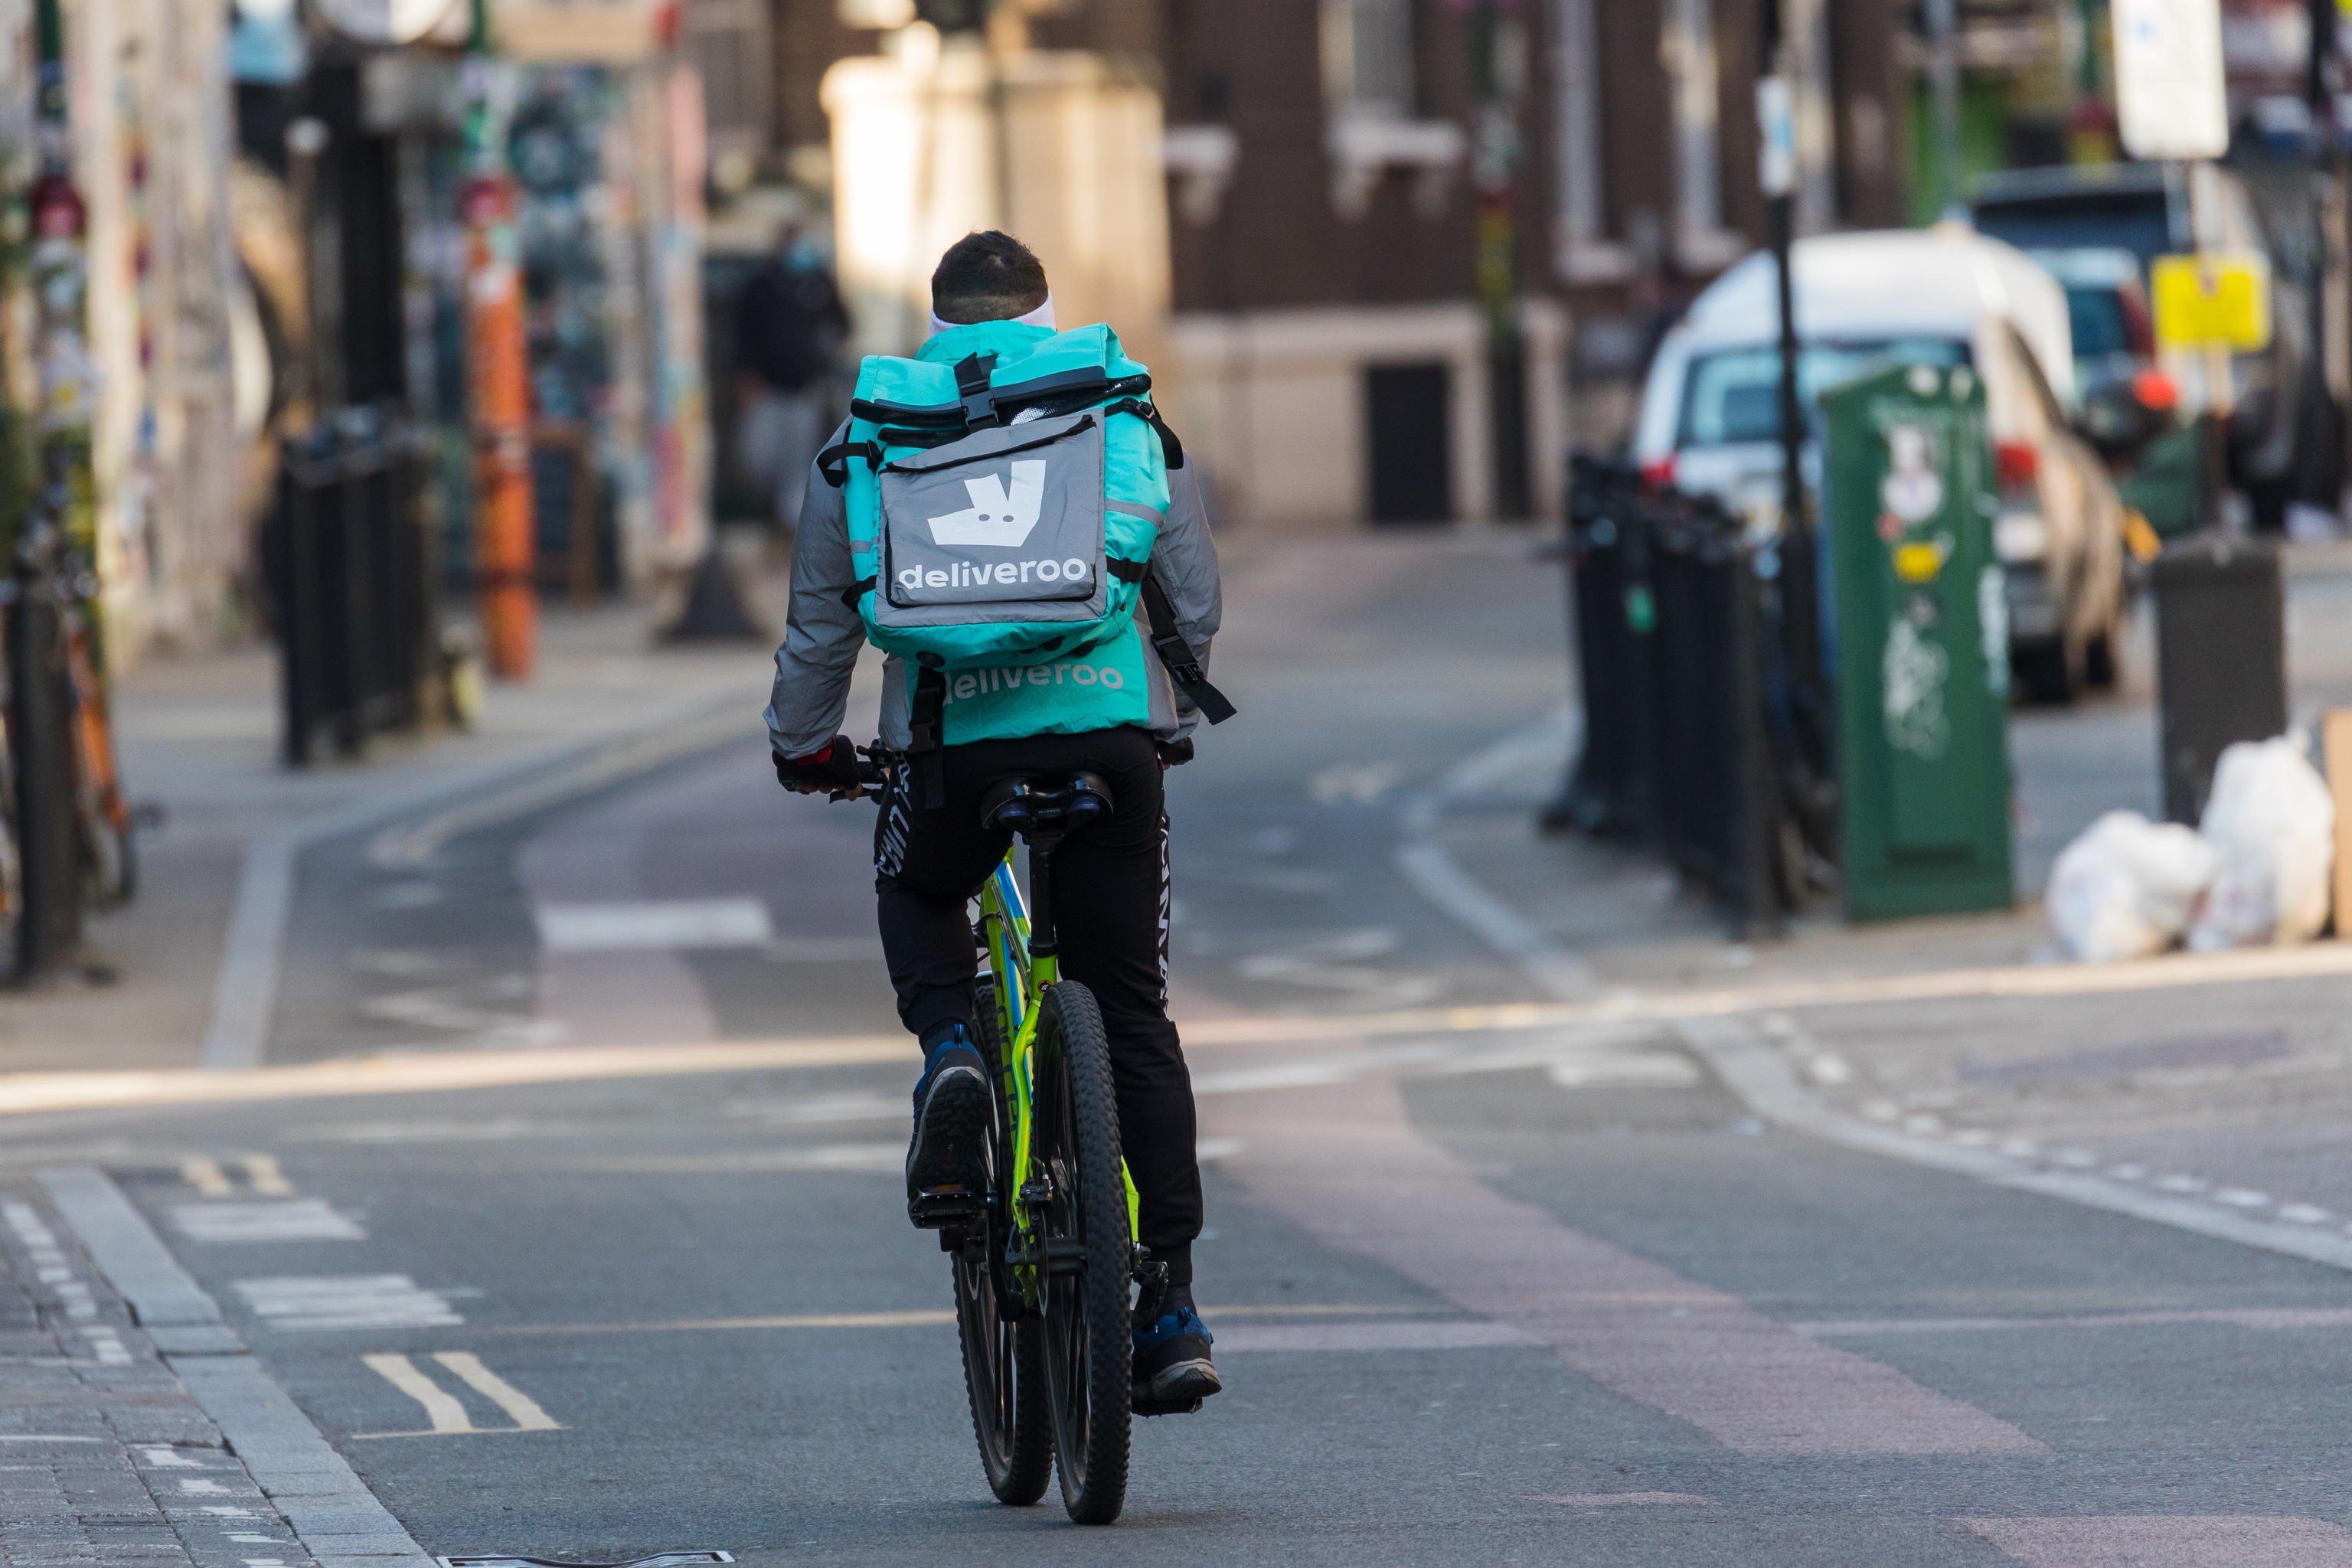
point(2212, 301)
point(1919, 562)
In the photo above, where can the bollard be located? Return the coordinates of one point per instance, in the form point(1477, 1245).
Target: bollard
point(40, 736)
point(2220, 658)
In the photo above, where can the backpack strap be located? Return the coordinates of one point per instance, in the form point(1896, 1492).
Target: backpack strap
point(926, 729)
point(1183, 664)
point(1169, 447)
point(833, 463)
point(857, 590)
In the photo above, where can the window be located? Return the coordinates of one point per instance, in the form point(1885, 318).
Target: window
point(1733, 396)
point(1368, 58)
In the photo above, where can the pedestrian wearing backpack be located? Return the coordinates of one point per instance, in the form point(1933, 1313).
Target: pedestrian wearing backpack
point(1007, 517)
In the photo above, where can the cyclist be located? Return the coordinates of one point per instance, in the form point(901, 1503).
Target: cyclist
point(1111, 883)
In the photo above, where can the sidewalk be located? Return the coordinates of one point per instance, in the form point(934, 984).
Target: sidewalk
point(110, 1460)
point(199, 739)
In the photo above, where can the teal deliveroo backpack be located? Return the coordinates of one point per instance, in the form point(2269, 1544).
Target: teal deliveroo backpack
point(1002, 514)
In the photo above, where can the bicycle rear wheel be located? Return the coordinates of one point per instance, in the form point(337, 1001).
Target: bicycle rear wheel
point(1088, 1348)
point(1003, 1361)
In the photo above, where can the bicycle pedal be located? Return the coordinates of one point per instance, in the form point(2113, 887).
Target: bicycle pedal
point(1165, 1407)
point(941, 1210)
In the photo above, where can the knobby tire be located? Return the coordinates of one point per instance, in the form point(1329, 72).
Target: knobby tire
point(1003, 1363)
point(1088, 1347)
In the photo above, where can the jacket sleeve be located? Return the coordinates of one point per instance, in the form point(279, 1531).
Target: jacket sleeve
point(1185, 561)
point(822, 632)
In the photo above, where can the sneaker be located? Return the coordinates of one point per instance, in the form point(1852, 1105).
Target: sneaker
point(1172, 1369)
point(947, 1159)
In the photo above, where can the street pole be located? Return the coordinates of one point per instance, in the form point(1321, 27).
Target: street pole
point(1498, 51)
point(498, 360)
point(1775, 100)
point(1944, 75)
point(2332, 315)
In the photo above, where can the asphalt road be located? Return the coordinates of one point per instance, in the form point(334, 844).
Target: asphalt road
point(1483, 1293)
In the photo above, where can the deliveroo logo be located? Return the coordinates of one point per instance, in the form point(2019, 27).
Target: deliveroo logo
point(996, 517)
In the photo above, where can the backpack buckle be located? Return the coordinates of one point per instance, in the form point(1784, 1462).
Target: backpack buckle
point(971, 374)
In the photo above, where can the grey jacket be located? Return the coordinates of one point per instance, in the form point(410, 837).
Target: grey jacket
point(823, 634)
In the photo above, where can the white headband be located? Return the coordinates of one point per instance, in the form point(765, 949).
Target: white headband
point(1042, 316)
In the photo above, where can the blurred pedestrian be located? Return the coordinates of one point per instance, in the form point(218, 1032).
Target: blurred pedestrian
point(793, 324)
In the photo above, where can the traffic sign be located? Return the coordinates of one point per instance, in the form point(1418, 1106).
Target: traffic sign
point(2171, 102)
point(2212, 301)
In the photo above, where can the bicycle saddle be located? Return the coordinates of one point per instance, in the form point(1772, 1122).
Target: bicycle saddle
point(1033, 805)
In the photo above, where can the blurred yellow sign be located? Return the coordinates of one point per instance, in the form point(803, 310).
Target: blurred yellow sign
point(2212, 301)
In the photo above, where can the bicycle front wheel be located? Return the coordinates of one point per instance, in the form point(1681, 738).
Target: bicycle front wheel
point(1003, 1361)
point(1089, 1351)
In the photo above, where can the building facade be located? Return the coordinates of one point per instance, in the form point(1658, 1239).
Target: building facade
point(1417, 249)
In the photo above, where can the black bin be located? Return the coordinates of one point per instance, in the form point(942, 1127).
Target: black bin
point(2220, 656)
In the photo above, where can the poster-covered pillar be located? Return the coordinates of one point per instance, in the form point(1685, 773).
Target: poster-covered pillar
point(499, 363)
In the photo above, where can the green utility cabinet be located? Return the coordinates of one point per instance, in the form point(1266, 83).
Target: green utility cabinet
point(1922, 630)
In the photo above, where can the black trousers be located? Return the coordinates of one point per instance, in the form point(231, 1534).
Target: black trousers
point(1110, 902)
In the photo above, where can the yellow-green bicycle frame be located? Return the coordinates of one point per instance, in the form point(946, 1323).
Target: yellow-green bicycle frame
point(1020, 981)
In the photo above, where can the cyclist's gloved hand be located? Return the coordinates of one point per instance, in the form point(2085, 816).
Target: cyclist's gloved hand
point(830, 772)
point(1175, 753)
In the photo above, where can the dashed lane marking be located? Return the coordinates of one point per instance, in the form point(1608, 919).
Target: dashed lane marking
point(653, 925)
point(344, 1302)
point(268, 1219)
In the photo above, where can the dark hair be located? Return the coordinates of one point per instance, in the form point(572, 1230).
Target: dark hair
point(987, 277)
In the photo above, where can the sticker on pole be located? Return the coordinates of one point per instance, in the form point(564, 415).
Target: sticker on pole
point(2212, 303)
point(2171, 102)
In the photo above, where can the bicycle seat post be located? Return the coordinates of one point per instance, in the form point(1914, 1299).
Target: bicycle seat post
point(1043, 940)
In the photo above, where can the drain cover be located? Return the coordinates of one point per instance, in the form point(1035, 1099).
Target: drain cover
point(658, 1559)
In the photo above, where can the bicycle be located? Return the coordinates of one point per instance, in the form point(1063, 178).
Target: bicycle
point(1049, 1281)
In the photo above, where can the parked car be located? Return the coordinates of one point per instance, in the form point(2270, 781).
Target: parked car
point(1710, 413)
point(2279, 446)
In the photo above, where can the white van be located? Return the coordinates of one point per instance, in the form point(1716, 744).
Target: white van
point(1710, 413)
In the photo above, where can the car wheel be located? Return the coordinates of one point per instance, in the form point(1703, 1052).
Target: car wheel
point(2049, 673)
point(2102, 657)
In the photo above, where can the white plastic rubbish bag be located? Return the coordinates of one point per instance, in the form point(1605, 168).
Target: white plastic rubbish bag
point(2128, 887)
point(2273, 822)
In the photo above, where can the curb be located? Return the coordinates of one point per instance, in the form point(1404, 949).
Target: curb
point(339, 1521)
point(245, 993)
point(1758, 1073)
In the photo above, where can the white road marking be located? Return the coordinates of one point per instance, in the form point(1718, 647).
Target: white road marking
point(167, 1458)
point(348, 1301)
point(200, 1486)
point(445, 1410)
point(266, 1176)
point(271, 1219)
point(1649, 1070)
point(523, 1410)
point(442, 1409)
point(208, 1177)
point(1360, 783)
point(653, 925)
